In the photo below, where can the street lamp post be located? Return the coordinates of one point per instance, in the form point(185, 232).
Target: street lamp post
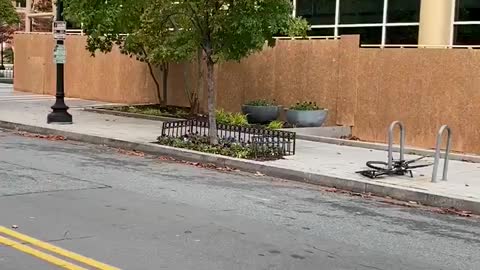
point(2, 67)
point(60, 114)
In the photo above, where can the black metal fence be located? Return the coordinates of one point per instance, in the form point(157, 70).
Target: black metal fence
point(6, 74)
point(282, 142)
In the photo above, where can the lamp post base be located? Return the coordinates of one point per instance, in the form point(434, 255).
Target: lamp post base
point(59, 117)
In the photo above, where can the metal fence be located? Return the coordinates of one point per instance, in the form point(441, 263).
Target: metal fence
point(280, 141)
point(6, 73)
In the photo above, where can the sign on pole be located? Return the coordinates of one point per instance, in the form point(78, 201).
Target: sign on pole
point(59, 54)
point(59, 30)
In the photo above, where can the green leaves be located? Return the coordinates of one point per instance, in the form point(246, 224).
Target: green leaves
point(8, 15)
point(145, 29)
point(171, 30)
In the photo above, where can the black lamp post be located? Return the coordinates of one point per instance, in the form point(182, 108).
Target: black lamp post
point(60, 114)
point(2, 67)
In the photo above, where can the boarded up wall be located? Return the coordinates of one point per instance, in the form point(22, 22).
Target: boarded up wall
point(288, 73)
point(363, 88)
point(109, 77)
point(424, 88)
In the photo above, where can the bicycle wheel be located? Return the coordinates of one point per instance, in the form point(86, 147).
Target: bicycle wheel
point(377, 165)
point(415, 164)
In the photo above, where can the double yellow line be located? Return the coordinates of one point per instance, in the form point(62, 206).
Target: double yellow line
point(24, 239)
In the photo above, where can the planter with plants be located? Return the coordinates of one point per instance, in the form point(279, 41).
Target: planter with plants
point(306, 114)
point(261, 111)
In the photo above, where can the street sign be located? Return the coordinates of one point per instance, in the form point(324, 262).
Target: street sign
point(59, 54)
point(59, 30)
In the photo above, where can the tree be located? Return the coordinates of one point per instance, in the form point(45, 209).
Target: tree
point(8, 22)
point(163, 31)
point(8, 15)
point(141, 28)
point(229, 30)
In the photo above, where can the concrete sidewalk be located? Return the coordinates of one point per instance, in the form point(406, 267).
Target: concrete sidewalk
point(320, 163)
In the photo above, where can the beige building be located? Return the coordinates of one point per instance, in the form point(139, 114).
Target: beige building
point(391, 22)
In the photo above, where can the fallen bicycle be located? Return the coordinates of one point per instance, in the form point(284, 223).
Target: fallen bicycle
point(401, 166)
point(398, 167)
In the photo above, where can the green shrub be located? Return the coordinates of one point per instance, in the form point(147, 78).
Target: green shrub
point(261, 102)
point(235, 119)
point(305, 106)
point(225, 147)
point(275, 125)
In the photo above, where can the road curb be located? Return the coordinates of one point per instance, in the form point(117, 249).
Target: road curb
point(366, 186)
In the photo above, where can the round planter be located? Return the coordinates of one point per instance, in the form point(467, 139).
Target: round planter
point(307, 118)
point(261, 114)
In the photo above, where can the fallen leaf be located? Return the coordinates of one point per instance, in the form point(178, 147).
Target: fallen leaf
point(39, 136)
point(461, 213)
point(131, 153)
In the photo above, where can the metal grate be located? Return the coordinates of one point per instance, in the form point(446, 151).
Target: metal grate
point(282, 142)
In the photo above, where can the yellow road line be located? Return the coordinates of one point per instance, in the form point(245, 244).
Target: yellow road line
point(43, 256)
point(57, 250)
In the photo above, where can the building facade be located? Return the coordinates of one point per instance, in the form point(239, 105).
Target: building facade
point(384, 22)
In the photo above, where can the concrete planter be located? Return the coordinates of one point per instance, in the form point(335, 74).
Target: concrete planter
point(261, 114)
point(307, 118)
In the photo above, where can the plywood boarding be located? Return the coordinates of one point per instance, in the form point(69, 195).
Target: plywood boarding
point(424, 88)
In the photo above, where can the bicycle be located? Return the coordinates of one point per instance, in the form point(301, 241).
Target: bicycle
point(399, 167)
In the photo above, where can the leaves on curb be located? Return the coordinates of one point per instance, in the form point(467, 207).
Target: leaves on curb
point(200, 165)
point(131, 153)
point(351, 193)
point(39, 136)
point(453, 211)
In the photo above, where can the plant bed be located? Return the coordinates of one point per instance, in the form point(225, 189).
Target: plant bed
point(150, 111)
point(234, 141)
point(154, 110)
point(225, 147)
point(261, 111)
point(306, 114)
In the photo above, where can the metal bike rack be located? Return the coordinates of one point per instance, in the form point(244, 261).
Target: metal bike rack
point(438, 154)
point(390, 142)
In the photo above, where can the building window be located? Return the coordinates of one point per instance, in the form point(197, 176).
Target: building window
point(403, 11)
point(317, 12)
point(321, 32)
point(371, 19)
point(361, 11)
point(368, 35)
point(466, 29)
point(467, 10)
point(402, 35)
point(467, 34)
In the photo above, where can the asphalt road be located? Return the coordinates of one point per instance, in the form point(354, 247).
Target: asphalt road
point(144, 213)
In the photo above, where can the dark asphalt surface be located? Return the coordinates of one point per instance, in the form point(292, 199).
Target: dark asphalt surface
point(144, 213)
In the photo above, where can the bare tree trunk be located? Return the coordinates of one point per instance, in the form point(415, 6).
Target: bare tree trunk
point(212, 119)
point(157, 85)
point(165, 71)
